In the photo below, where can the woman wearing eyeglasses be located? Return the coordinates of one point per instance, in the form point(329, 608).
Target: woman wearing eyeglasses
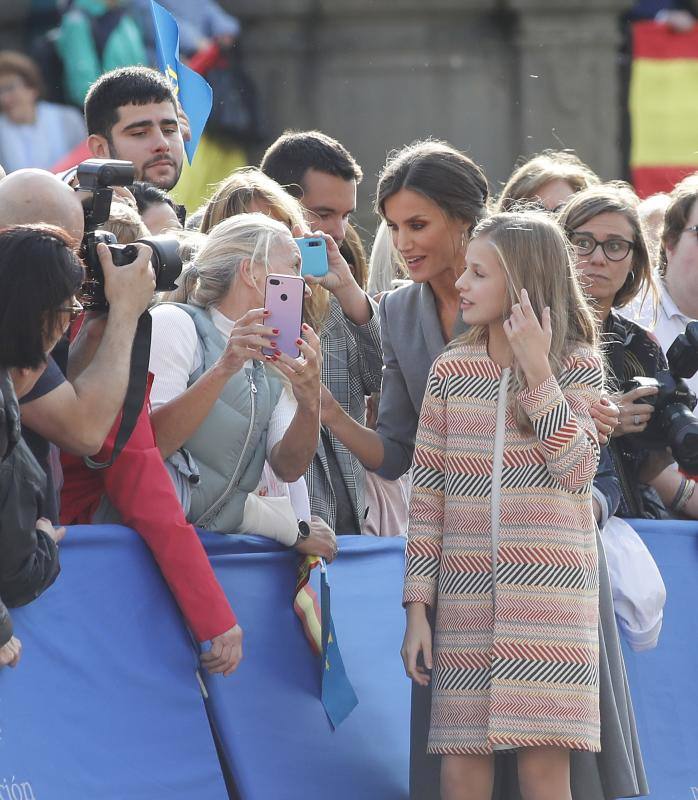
point(604, 228)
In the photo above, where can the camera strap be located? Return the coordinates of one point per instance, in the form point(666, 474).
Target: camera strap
point(135, 394)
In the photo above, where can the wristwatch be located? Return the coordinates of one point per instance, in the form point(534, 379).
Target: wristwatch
point(303, 531)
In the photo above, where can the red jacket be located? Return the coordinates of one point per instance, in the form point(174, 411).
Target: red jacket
point(140, 488)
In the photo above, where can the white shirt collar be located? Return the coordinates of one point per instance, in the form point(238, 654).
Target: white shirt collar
point(670, 308)
point(222, 323)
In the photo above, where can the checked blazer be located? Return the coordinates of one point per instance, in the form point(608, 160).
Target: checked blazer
point(352, 365)
point(506, 545)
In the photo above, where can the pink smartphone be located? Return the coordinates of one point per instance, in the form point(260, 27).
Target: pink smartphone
point(283, 296)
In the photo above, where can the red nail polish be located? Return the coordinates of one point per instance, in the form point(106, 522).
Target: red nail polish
point(306, 327)
point(267, 313)
point(299, 342)
point(277, 353)
point(272, 344)
point(275, 331)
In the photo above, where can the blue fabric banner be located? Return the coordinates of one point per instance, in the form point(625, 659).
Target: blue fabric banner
point(193, 91)
point(663, 681)
point(104, 702)
point(338, 695)
point(274, 728)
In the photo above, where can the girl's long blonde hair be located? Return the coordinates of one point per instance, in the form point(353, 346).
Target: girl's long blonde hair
point(535, 255)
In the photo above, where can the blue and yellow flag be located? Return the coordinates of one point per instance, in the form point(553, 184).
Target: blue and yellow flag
point(338, 695)
point(336, 692)
point(306, 604)
point(190, 88)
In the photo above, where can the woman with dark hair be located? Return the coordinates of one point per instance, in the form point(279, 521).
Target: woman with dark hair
point(431, 196)
point(40, 274)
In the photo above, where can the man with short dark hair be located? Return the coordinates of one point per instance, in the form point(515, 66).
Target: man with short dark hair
point(320, 172)
point(323, 175)
point(132, 115)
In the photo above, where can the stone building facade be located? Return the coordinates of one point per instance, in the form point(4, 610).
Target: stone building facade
point(499, 80)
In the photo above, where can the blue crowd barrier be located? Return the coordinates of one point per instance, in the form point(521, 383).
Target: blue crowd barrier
point(106, 704)
point(273, 726)
point(663, 681)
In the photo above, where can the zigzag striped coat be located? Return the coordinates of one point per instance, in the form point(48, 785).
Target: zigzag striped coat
point(501, 534)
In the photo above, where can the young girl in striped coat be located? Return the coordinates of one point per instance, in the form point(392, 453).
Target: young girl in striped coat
point(501, 535)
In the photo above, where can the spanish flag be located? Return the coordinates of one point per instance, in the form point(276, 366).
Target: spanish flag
point(306, 604)
point(663, 107)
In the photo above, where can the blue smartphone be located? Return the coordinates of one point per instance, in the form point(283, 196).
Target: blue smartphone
point(313, 256)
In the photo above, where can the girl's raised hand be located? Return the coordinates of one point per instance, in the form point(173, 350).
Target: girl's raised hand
point(530, 339)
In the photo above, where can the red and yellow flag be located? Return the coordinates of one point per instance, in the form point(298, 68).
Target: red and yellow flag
point(663, 107)
point(306, 603)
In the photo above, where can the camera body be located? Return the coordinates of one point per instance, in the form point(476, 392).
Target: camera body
point(96, 179)
point(672, 422)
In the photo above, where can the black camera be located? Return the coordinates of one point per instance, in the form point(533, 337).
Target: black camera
point(672, 422)
point(96, 179)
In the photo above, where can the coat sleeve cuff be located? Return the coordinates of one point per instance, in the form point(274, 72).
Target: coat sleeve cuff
point(537, 402)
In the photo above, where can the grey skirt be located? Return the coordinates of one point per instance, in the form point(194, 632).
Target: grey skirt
point(617, 771)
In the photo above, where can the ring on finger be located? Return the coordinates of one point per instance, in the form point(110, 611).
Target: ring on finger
point(636, 419)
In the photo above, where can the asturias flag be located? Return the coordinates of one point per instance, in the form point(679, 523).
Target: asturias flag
point(338, 695)
point(663, 107)
point(192, 90)
point(336, 692)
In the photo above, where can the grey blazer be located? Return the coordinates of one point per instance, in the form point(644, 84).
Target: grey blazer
point(412, 340)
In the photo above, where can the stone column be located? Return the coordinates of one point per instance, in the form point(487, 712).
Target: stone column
point(497, 78)
point(568, 90)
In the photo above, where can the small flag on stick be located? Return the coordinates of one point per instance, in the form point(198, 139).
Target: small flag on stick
point(190, 88)
point(336, 692)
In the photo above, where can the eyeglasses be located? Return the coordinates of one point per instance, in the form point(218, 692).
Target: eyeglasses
point(613, 249)
point(75, 310)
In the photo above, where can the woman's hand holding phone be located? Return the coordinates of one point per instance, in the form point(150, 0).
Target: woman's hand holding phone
point(247, 338)
point(304, 372)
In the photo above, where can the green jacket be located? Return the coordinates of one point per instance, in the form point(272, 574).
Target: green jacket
point(229, 447)
point(82, 27)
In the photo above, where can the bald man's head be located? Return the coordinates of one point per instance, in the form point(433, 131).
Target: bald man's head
point(31, 196)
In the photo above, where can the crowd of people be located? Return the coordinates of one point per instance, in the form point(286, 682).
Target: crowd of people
point(497, 357)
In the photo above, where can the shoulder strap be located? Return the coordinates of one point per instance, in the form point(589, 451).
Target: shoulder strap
point(135, 394)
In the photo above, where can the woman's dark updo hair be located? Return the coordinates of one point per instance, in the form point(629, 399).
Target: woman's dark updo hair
point(40, 272)
point(440, 173)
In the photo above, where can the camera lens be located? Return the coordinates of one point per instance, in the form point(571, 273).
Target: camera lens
point(284, 297)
